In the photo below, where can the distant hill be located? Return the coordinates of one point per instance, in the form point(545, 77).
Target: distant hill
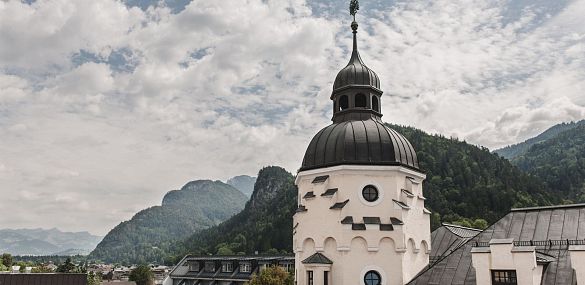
point(265, 224)
point(560, 162)
point(46, 242)
point(467, 181)
point(244, 183)
point(515, 150)
point(463, 182)
point(149, 234)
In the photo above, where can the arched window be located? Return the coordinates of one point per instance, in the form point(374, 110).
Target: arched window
point(375, 104)
point(343, 102)
point(360, 101)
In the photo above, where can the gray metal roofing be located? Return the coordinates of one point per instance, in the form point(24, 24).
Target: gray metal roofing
point(367, 142)
point(317, 258)
point(463, 232)
point(446, 239)
point(536, 224)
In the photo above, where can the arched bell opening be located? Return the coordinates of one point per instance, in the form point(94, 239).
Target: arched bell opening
point(361, 101)
point(343, 102)
point(375, 104)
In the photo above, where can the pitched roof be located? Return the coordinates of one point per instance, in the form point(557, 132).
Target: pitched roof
point(448, 238)
point(317, 258)
point(541, 226)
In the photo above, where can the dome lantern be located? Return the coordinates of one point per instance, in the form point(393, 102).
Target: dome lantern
point(356, 89)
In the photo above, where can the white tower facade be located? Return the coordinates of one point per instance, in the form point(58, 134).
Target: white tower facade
point(361, 217)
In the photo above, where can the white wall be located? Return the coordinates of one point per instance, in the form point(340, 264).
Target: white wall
point(398, 255)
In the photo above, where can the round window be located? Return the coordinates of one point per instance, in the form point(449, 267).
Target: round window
point(370, 193)
point(372, 277)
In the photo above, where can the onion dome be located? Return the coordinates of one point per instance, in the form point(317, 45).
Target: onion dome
point(358, 136)
point(365, 142)
point(356, 73)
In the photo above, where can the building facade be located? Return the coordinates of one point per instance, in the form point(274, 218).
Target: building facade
point(361, 216)
point(223, 270)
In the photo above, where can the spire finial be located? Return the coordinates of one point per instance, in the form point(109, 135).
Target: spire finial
point(354, 6)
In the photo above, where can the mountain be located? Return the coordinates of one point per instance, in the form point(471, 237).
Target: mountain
point(265, 224)
point(46, 242)
point(560, 162)
point(244, 183)
point(148, 235)
point(513, 151)
point(464, 183)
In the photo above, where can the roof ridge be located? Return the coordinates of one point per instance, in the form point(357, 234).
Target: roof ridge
point(461, 227)
point(539, 208)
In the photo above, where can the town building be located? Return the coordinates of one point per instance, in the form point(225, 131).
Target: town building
point(224, 270)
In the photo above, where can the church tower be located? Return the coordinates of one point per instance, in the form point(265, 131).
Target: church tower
point(361, 217)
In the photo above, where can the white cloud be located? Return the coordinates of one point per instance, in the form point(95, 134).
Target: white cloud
point(104, 108)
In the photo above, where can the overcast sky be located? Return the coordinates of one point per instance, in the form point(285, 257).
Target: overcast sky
point(107, 105)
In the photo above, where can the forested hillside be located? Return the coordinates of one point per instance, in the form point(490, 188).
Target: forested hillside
point(464, 183)
point(512, 151)
point(560, 162)
point(148, 236)
point(265, 224)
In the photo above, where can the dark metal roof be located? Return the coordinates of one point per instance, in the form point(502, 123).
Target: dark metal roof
point(44, 278)
point(522, 225)
point(330, 192)
point(317, 258)
point(347, 220)
point(339, 205)
point(236, 274)
point(358, 227)
point(396, 221)
point(365, 142)
point(463, 232)
point(386, 227)
point(301, 208)
point(401, 204)
point(372, 220)
point(408, 193)
point(320, 179)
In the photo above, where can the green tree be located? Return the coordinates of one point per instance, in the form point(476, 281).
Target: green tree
point(142, 275)
point(223, 249)
point(67, 266)
point(273, 275)
point(94, 279)
point(480, 224)
point(7, 259)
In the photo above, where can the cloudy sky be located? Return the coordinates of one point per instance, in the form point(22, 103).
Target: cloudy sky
point(105, 105)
